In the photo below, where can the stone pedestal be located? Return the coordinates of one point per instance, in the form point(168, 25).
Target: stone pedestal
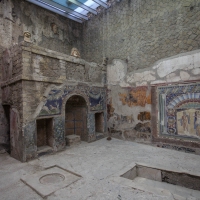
point(72, 140)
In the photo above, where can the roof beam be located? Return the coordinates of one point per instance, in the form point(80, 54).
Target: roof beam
point(39, 3)
point(83, 6)
point(101, 3)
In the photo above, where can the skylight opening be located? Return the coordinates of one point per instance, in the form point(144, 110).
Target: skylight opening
point(74, 9)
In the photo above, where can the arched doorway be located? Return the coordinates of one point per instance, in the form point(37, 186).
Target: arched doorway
point(76, 117)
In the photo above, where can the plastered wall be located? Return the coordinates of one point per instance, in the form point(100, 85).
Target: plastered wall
point(134, 107)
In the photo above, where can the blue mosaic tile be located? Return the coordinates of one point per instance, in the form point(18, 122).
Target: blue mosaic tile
point(178, 106)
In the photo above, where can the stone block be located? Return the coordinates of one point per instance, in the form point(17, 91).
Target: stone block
point(72, 140)
point(149, 173)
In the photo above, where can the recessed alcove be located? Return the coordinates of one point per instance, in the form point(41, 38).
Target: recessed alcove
point(6, 144)
point(44, 134)
point(99, 119)
point(76, 117)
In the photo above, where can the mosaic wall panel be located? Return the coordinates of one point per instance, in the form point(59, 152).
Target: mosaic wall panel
point(91, 127)
point(55, 99)
point(91, 123)
point(179, 110)
point(59, 132)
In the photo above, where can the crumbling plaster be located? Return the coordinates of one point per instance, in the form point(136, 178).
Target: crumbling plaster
point(125, 87)
point(144, 33)
point(182, 67)
point(36, 83)
point(47, 30)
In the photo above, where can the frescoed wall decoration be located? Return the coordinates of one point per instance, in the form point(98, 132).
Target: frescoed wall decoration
point(136, 97)
point(55, 98)
point(179, 110)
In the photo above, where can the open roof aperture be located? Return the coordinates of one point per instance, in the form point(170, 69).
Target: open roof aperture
point(76, 10)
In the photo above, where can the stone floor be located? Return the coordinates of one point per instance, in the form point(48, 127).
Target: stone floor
point(96, 162)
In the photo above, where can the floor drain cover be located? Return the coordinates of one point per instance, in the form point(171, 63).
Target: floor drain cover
point(52, 179)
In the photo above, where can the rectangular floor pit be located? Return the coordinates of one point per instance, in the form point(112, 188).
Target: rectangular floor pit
point(160, 175)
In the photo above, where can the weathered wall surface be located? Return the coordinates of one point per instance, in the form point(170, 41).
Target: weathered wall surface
point(37, 83)
point(133, 105)
point(41, 69)
point(47, 29)
point(5, 42)
point(142, 32)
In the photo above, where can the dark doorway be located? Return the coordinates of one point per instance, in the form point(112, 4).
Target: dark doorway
point(99, 119)
point(76, 117)
point(44, 133)
point(6, 144)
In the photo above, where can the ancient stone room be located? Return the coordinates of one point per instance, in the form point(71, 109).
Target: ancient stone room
point(100, 99)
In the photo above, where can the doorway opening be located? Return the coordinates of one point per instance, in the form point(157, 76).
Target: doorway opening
point(6, 141)
point(76, 117)
point(99, 119)
point(44, 134)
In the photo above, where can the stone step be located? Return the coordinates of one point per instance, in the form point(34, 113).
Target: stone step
point(43, 150)
point(178, 192)
point(99, 135)
point(72, 140)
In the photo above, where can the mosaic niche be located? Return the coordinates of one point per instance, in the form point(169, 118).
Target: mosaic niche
point(179, 110)
point(54, 101)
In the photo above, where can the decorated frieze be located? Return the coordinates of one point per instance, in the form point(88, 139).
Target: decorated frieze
point(54, 101)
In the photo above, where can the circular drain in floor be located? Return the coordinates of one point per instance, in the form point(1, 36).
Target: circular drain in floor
point(52, 178)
